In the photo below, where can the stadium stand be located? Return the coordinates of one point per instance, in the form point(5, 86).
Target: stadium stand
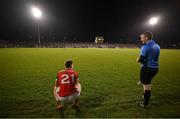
point(13, 44)
point(5, 44)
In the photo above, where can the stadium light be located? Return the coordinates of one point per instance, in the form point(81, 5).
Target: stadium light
point(153, 20)
point(37, 14)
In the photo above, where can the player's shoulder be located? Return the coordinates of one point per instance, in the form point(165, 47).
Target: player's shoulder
point(157, 45)
point(61, 71)
point(74, 71)
point(144, 47)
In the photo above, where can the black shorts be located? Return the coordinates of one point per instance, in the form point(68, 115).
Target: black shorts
point(147, 73)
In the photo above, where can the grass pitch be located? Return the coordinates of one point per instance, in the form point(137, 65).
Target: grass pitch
point(108, 78)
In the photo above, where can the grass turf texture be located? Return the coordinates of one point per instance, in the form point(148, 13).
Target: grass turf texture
point(108, 78)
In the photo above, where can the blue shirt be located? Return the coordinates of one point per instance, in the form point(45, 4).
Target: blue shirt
point(151, 51)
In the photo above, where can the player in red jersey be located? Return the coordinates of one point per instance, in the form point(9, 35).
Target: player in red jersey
point(67, 88)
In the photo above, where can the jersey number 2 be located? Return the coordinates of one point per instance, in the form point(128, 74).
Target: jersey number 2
point(65, 79)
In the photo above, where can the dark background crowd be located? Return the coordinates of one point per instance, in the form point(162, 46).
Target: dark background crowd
point(61, 44)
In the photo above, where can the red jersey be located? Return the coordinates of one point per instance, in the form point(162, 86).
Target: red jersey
point(67, 80)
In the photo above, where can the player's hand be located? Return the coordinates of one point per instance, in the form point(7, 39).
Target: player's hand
point(137, 60)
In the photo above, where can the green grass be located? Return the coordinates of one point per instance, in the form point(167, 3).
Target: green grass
point(108, 78)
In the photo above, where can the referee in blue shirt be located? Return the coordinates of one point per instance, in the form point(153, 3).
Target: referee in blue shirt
point(149, 57)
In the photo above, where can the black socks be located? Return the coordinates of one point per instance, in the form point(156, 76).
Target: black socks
point(147, 96)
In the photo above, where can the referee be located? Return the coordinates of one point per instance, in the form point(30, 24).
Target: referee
point(149, 57)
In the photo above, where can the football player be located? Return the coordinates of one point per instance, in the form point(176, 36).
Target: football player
point(67, 88)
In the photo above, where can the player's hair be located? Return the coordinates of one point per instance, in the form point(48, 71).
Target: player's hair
point(68, 63)
point(148, 34)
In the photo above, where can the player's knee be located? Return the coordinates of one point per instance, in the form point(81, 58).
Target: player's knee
point(147, 87)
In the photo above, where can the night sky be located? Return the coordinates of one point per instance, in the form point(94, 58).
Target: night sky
point(82, 20)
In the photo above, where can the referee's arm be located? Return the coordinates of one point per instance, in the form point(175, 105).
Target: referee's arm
point(143, 58)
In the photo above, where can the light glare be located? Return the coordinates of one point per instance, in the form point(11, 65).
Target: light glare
point(36, 12)
point(153, 20)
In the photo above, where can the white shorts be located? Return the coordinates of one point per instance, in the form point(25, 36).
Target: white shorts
point(69, 98)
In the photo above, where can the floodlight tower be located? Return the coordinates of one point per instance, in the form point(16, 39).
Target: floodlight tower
point(37, 14)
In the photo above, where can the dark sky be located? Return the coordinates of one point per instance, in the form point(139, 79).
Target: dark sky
point(82, 20)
